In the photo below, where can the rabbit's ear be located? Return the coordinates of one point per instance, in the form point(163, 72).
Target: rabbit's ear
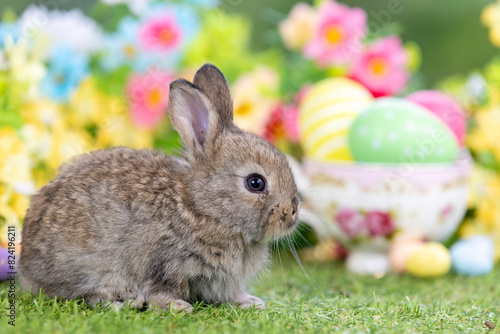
point(192, 115)
point(213, 83)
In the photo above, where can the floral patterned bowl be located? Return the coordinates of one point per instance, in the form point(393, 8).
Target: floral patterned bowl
point(364, 205)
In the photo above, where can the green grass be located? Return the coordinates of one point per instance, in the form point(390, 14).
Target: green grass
point(334, 300)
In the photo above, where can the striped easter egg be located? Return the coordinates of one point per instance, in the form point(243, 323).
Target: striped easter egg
point(326, 114)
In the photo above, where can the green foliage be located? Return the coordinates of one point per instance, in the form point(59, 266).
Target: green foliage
point(108, 19)
point(112, 83)
point(224, 41)
point(10, 102)
point(333, 300)
point(487, 160)
point(298, 71)
point(168, 140)
point(8, 15)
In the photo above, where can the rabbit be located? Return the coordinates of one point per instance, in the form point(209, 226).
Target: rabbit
point(139, 227)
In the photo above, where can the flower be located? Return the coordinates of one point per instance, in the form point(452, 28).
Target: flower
point(483, 138)
point(445, 212)
point(136, 6)
point(89, 106)
point(484, 195)
point(161, 33)
point(167, 28)
point(297, 29)
point(15, 168)
point(71, 28)
point(282, 124)
point(148, 97)
point(16, 182)
point(490, 17)
point(382, 68)
point(123, 48)
point(351, 222)
point(253, 99)
point(25, 68)
point(379, 223)
point(65, 71)
point(338, 34)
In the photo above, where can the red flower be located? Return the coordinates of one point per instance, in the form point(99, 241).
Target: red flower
point(282, 124)
point(351, 222)
point(379, 223)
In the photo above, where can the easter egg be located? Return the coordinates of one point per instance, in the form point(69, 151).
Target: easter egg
point(473, 256)
point(326, 113)
point(443, 107)
point(394, 130)
point(432, 260)
point(400, 251)
point(4, 265)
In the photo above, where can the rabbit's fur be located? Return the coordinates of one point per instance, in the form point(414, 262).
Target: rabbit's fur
point(136, 226)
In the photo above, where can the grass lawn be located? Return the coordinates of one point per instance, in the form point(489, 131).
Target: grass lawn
point(333, 300)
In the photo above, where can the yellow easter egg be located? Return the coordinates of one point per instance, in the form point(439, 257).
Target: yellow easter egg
point(326, 114)
point(400, 251)
point(432, 260)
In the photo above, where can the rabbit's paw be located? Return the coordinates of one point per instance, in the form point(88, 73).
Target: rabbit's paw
point(165, 303)
point(246, 300)
point(137, 303)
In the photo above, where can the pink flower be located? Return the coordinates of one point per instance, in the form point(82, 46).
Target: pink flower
point(379, 223)
point(148, 97)
point(282, 124)
point(160, 34)
point(338, 34)
point(382, 68)
point(351, 222)
point(445, 212)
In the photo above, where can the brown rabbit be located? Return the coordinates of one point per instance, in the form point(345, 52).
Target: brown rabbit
point(136, 226)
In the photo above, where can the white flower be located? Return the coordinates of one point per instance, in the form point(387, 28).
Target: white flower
point(136, 6)
point(477, 86)
point(71, 28)
point(24, 65)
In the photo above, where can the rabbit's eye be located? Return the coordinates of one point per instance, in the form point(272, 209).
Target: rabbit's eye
point(255, 183)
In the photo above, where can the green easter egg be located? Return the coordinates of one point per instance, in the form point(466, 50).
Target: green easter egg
point(393, 130)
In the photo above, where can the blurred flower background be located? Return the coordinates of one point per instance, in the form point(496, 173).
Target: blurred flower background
point(76, 76)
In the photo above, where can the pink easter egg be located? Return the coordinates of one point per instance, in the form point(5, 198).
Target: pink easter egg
point(401, 250)
point(443, 107)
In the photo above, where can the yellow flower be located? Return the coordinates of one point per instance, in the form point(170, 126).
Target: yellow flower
point(15, 165)
point(41, 116)
point(118, 131)
point(484, 138)
point(41, 112)
point(67, 143)
point(485, 198)
point(490, 17)
point(109, 114)
point(16, 182)
point(254, 96)
point(298, 28)
point(88, 105)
